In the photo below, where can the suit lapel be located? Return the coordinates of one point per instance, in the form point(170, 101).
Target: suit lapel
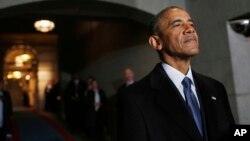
point(171, 101)
point(207, 98)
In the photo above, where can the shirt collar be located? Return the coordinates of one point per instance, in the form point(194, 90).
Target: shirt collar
point(129, 82)
point(175, 75)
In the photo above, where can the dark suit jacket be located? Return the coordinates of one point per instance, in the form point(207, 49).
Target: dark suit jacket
point(72, 102)
point(92, 116)
point(7, 112)
point(121, 88)
point(153, 110)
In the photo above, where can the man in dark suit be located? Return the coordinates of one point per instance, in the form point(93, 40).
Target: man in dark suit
point(128, 75)
point(74, 106)
point(5, 114)
point(96, 101)
point(174, 103)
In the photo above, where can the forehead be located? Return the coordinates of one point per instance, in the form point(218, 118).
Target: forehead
point(127, 70)
point(175, 14)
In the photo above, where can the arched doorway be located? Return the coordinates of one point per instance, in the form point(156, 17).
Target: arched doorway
point(20, 75)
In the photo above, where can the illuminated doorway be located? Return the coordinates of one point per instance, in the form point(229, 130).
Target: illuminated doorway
point(20, 75)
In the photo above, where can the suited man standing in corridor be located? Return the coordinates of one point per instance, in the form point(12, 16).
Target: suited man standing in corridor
point(128, 75)
point(5, 114)
point(173, 102)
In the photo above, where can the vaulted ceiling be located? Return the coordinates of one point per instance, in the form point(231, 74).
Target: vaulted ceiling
point(88, 29)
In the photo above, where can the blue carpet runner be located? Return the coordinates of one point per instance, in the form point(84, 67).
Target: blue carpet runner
point(34, 126)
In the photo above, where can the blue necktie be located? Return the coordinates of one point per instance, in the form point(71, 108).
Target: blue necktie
point(192, 103)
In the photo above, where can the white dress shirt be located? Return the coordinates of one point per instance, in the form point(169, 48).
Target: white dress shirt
point(97, 100)
point(177, 77)
point(76, 87)
point(129, 82)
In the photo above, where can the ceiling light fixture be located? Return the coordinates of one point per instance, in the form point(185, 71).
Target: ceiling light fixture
point(44, 25)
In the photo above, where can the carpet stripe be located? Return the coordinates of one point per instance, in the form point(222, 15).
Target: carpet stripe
point(30, 125)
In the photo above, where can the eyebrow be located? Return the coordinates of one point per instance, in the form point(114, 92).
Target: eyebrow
point(191, 20)
point(179, 20)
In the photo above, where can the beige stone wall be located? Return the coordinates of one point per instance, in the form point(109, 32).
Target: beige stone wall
point(47, 69)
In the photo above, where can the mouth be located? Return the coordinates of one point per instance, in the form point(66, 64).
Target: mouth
point(190, 39)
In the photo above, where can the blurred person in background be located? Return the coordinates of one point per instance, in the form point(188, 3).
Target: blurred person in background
point(5, 114)
point(128, 76)
point(96, 112)
point(53, 97)
point(74, 106)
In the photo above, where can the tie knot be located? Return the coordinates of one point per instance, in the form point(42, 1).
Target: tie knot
point(186, 82)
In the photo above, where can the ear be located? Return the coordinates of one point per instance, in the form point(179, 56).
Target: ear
point(155, 42)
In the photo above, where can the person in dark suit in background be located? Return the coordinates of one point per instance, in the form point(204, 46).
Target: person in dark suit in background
point(95, 112)
point(74, 106)
point(128, 76)
point(5, 114)
point(173, 102)
point(53, 97)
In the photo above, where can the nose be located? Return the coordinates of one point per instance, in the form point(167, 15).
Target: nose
point(189, 29)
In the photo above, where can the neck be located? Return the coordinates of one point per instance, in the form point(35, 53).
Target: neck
point(181, 65)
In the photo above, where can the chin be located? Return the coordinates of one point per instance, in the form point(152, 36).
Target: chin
point(194, 51)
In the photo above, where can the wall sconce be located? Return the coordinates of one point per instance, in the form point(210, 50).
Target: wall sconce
point(25, 57)
point(44, 25)
point(20, 59)
point(15, 75)
point(27, 77)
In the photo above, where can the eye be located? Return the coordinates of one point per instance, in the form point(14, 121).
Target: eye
point(176, 23)
point(192, 24)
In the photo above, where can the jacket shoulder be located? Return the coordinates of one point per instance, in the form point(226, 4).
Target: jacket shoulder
point(206, 79)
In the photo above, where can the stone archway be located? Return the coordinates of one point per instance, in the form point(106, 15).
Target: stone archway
point(20, 75)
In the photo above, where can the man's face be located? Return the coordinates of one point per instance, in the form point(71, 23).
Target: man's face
point(128, 74)
point(178, 35)
point(94, 84)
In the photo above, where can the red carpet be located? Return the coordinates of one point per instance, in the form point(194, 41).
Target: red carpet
point(15, 134)
point(31, 125)
point(56, 126)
